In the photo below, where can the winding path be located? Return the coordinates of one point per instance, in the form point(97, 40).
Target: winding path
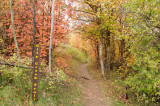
point(93, 94)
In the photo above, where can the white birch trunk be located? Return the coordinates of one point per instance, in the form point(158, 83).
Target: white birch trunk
point(51, 38)
point(101, 56)
point(14, 33)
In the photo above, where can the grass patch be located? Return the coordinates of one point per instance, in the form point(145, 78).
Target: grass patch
point(76, 54)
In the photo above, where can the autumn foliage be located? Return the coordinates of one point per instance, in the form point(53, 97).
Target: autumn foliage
point(23, 17)
point(124, 35)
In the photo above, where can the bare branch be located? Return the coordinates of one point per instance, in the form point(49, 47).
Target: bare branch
point(91, 13)
point(16, 65)
point(84, 20)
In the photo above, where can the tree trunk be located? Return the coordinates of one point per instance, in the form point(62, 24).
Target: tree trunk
point(97, 54)
point(101, 56)
point(51, 38)
point(14, 33)
point(122, 48)
point(108, 52)
point(34, 28)
point(105, 55)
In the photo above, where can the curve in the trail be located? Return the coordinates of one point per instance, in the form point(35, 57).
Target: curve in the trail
point(93, 94)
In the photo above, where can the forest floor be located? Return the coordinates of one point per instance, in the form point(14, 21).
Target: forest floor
point(92, 91)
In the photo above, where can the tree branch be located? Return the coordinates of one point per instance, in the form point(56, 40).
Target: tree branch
point(84, 20)
point(85, 12)
point(16, 65)
point(91, 5)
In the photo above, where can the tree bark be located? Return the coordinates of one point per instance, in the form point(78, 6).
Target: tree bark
point(108, 52)
point(122, 49)
point(51, 38)
point(14, 33)
point(101, 55)
point(97, 55)
point(96, 50)
point(105, 55)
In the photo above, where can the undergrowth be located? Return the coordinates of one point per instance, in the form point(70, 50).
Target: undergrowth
point(56, 89)
point(116, 89)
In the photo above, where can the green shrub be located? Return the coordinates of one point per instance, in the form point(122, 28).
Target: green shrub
point(54, 89)
point(146, 82)
point(146, 86)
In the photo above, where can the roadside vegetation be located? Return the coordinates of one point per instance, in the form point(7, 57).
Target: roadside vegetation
point(58, 88)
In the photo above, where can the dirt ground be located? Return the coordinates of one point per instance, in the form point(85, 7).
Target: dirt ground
point(93, 94)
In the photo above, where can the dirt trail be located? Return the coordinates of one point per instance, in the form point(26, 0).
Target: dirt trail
point(93, 94)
